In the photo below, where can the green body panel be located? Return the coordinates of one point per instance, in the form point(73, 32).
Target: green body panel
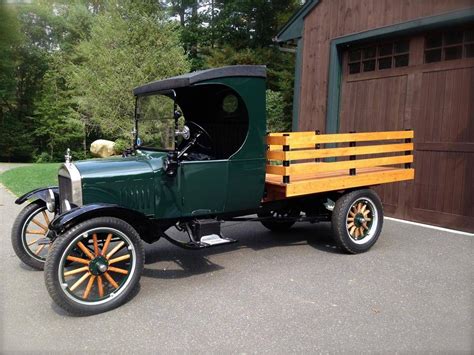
point(203, 187)
point(199, 187)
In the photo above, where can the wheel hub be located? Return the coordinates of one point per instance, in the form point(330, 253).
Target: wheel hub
point(98, 265)
point(359, 220)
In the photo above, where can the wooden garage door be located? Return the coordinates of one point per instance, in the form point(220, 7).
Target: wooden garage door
point(430, 89)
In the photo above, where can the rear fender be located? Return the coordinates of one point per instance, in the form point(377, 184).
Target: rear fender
point(38, 194)
point(145, 227)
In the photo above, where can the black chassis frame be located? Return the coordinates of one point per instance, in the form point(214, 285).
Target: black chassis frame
point(151, 230)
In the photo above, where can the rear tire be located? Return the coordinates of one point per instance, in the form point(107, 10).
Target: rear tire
point(95, 266)
point(279, 221)
point(357, 221)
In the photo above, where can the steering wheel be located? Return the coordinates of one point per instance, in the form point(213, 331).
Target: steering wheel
point(209, 147)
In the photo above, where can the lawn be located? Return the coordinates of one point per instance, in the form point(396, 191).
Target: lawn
point(26, 178)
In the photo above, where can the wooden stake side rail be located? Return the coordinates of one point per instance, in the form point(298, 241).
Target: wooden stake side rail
point(290, 174)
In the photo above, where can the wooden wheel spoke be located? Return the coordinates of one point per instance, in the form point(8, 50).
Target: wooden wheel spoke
point(349, 219)
point(77, 260)
point(80, 281)
point(96, 245)
point(350, 225)
point(100, 286)
point(359, 206)
point(32, 242)
point(351, 232)
point(39, 224)
point(106, 244)
point(41, 247)
point(118, 270)
point(76, 271)
point(85, 250)
point(368, 219)
point(120, 258)
point(363, 209)
point(361, 231)
point(366, 212)
point(111, 280)
point(35, 232)
point(46, 218)
point(358, 233)
point(365, 226)
point(88, 289)
point(116, 249)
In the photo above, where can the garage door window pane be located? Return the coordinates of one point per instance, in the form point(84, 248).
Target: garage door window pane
point(469, 36)
point(470, 51)
point(433, 56)
point(452, 37)
point(369, 65)
point(451, 53)
point(354, 55)
point(402, 46)
point(354, 68)
point(385, 63)
point(401, 60)
point(385, 49)
point(369, 52)
point(433, 41)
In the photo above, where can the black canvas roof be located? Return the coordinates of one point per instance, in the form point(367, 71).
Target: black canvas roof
point(202, 75)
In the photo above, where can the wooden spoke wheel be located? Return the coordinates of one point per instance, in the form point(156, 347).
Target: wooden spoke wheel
point(357, 220)
point(30, 234)
point(361, 221)
point(94, 266)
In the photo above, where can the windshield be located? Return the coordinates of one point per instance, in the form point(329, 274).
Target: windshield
point(155, 122)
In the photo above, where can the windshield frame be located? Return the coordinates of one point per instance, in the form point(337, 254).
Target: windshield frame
point(169, 93)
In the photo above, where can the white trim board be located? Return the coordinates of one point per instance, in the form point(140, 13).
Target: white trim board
point(430, 226)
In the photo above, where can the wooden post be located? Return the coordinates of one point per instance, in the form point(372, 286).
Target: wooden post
point(286, 148)
point(352, 171)
point(408, 140)
point(317, 146)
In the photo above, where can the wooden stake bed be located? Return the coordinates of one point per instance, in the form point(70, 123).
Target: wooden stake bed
point(296, 167)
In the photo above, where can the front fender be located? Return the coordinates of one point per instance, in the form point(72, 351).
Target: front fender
point(38, 194)
point(142, 224)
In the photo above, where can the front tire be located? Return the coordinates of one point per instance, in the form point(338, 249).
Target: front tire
point(29, 233)
point(95, 266)
point(357, 221)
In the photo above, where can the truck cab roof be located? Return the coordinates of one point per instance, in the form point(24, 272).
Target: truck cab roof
point(189, 79)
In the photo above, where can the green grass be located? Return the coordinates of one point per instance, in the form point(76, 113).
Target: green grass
point(26, 178)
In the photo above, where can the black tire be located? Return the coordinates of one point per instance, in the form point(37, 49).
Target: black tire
point(278, 221)
point(67, 245)
point(24, 243)
point(357, 221)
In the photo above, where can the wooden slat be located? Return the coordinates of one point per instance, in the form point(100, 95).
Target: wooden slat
point(338, 152)
point(305, 168)
point(309, 140)
point(349, 181)
point(279, 134)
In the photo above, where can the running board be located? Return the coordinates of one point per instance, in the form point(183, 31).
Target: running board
point(207, 241)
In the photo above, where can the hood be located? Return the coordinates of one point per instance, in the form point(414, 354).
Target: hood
point(121, 167)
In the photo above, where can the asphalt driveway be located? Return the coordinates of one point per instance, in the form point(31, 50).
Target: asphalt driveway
point(294, 293)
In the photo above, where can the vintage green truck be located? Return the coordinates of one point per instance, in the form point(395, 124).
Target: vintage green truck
point(201, 156)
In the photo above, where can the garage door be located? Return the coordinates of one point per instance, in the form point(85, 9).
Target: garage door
point(425, 83)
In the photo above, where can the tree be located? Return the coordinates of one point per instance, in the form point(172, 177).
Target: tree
point(127, 47)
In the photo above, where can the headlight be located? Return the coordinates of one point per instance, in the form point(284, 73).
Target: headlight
point(51, 201)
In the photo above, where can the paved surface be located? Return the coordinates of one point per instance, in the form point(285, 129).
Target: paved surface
point(295, 293)
point(8, 166)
